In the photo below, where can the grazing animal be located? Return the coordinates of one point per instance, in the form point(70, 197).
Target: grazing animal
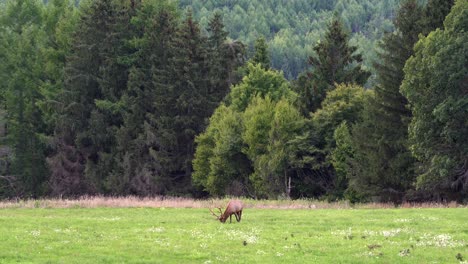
point(234, 207)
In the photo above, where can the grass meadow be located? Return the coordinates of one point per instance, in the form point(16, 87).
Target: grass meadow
point(270, 232)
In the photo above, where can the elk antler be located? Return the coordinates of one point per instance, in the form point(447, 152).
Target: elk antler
point(217, 216)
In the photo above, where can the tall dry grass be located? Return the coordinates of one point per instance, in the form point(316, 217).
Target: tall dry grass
point(175, 202)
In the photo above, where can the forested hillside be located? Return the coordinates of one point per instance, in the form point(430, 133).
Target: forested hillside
point(292, 28)
point(263, 99)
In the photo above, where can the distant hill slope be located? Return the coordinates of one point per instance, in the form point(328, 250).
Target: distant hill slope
point(293, 27)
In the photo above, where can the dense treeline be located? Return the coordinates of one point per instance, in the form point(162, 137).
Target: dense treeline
point(132, 97)
point(292, 28)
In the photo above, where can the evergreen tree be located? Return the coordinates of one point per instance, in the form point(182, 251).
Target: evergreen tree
point(383, 160)
point(21, 41)
point(138, 169)
point(435, 13)
point(218, 61)
point(81, 134)
point(182, 106)
point(382, 137)
point(106, 117)
point(60, 18)
point(224, 58)
point(261, 55)
point(334, 61)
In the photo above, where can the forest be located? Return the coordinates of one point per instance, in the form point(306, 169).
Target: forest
point(365, 101)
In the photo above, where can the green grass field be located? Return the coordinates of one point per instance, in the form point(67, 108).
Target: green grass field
point(186, 235)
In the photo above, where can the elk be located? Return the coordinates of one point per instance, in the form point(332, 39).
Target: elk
point(234, 207)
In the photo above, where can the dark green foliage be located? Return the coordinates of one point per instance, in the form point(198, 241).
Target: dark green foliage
point(180, 116)
point(334, 61)
point(84, 133)
point(137, 169)
point(436, 86)
point(261, 56)
point(292, 28)
point(21, 41)
point(435, 13)
point(218, 61)
point(132, 97)
point(383, 164)
point(60, 18)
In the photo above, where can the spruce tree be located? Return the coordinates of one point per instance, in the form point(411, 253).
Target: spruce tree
point(334, 61)
point(388, 164)
point(384, 165)
point(224, 57)
point(218, 62)
point(435, 13)
point(261, 55)
point(106, 118)
point(21, 42)
point(182, 106)
point(138, 170)
point(78, 141)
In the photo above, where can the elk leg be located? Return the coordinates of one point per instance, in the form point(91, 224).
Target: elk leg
point(240, 215)
point(230, 219)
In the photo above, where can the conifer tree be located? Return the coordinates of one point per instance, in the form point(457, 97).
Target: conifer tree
point(261, 55)
point(218, 61)
point(334, 61)
point(77, 139)
point(182, 106)
point(21, 41)
point(224, 57)
point(138, 169)
point(434, 14)
point(383, 160)
point(106, 118)
point(388, 165)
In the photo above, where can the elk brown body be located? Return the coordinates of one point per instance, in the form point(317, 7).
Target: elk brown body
point(234, 207)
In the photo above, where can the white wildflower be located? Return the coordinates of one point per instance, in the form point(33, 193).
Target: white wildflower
point(402, 220)
point(156, 229)
point(442, 240)
point(36, 233)
point(391, 233)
